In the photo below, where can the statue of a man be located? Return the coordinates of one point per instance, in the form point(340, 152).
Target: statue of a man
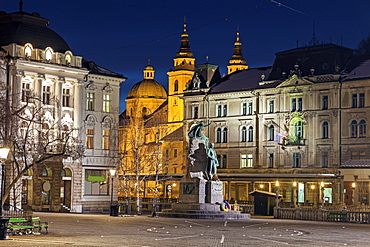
point(212, 161)
point(196, 131)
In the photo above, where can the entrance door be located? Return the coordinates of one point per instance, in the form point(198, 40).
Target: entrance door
point(261, 205)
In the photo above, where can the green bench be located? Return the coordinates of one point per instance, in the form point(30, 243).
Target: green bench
point(20, 226)
point(338, 216)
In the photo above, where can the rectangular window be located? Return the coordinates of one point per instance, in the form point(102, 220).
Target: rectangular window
point(354, 100)
point(224, 161)
point(361, 100)
point(250, 161)
point(89, 138)
point(271, 106)
point(106, 139)
point(244, 109)
point(46, 95)
point(270, 160)
point(218, 110)
point(224, 110)
point(294, 104)
point(66, 97)
point(106, 102)
point(195, 112)
point(243, 161)
point(96, 182)
point(296, 160)
point(354, 155)
point(175, 153)
point(325, 102)
point(362, 155)
point(90, 101)
point(250, 108)
point(26, 91)
point(299, 104)
point(324, 160)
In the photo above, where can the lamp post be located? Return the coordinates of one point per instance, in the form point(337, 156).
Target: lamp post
point(3, 221)
point(113, 211)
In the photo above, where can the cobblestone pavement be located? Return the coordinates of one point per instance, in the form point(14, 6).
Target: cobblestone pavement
point(103, 230)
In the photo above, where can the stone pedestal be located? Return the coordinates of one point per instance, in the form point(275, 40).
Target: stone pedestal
point(214, 192)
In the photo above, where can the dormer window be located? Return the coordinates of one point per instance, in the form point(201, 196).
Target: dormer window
point(68, 59)
point(48, 53)
point(28, 50)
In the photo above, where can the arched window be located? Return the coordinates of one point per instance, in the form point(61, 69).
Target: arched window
point(243, 134)
point(218, 135)
point(48, 53)
point(354, 129)
point(224, 135)
point(298, 129)
point(362, 128)
point(250, 134)
point(325, 130)
point(176, 86)
point(271, 131)
point(28, 50)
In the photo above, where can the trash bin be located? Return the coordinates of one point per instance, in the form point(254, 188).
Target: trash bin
point(114, 210)
point(3, 228)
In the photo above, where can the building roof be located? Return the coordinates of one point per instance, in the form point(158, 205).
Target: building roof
point(358, 67)
point(323, 59)
point(21, 28)
point(248, 79)
point(98, 70)
point(147, 88)
point(356, 164)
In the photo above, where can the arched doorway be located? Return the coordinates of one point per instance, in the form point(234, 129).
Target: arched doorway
point(65, 189)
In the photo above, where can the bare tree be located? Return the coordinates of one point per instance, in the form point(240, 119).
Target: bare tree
point(142, 144)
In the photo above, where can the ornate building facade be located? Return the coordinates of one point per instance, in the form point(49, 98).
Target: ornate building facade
point(38, 63)
point(298, 126)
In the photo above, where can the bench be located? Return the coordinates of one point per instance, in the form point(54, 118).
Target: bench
point(338, 216)
point(20, 226)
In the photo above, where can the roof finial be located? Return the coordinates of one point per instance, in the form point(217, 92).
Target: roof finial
point(21, 5)
point(149, 61)
point(184, 24)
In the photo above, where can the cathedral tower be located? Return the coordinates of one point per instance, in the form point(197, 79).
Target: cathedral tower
point(237, 62)
point(183, 71)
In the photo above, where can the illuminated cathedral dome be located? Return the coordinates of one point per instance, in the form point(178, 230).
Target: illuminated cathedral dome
point(148, 88)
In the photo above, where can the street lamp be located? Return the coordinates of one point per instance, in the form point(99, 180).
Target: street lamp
point(112, 207)
point(3, 156)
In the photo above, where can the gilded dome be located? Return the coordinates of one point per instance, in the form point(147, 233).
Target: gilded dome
point(147, 89)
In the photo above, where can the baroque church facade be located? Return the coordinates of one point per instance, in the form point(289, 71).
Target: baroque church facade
point(79, 95)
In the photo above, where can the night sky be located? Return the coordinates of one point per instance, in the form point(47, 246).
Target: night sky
point(122, 35)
